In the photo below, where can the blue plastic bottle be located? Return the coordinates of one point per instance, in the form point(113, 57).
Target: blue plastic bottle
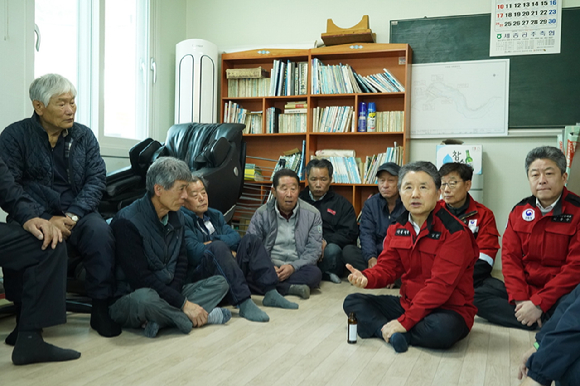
point(362, 117)
point(372, 117)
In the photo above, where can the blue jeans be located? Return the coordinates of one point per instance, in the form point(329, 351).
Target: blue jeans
point(332, 261)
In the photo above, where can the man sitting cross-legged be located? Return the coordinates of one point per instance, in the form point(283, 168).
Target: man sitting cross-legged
point(291, 230)
point(434, 253)
point(152, 260)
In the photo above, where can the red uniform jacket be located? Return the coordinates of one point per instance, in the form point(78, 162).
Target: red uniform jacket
point(435, 266)
point(481, 221)
point(541, 254)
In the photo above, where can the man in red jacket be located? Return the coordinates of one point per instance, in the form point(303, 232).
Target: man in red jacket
point(434, 253)
point(540, 248)
point(455, 184)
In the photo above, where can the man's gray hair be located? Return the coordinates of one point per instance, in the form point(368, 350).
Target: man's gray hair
point(420, 166)
point(196, 178)
point(49, 85)
point(165, 171)
point(546, 152)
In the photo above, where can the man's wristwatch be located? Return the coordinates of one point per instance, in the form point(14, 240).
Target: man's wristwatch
point(72, 216)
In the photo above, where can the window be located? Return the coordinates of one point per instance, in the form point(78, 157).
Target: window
point(102, 46)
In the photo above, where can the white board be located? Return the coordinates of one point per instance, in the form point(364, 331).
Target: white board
point(460, 99)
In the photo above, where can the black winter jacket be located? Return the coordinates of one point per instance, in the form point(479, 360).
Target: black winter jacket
point(26, 150)
point(338, 218)
point(12, 198)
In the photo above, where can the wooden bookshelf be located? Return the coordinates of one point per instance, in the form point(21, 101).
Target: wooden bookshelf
point(365, 59)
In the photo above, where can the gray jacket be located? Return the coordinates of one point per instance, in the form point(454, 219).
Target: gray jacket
point(307, 235)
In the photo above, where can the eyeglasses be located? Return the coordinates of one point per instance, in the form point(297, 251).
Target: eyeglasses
point(450, 184)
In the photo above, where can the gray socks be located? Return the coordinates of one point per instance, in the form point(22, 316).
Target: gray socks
point(250, 311)
point(334, 278)
point(219, 316)
point(301, 290)
point(151, 329)
point(274, 299)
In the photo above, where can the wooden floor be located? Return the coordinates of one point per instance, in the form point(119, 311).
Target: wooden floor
point(297, 347)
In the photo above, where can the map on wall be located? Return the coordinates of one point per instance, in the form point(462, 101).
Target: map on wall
point(460, 99)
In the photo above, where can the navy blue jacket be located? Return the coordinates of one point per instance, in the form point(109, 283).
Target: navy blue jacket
point(150, 254)
point(195, 237)
point(557, 357)
point(12, 198)
point(26, 150)
point(374, 222)
point(338, 218)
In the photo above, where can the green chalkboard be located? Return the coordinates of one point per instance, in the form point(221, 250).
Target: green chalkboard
point(544, 89)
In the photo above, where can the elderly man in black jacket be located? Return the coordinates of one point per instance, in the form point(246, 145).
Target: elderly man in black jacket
point(37, 256)
point(152, 260)
point(339, 226)
point(58, 164)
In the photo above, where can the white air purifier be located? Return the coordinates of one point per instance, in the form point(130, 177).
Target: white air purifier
point(196, 70)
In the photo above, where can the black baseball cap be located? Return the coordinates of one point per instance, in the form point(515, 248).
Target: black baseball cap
point(389, 167)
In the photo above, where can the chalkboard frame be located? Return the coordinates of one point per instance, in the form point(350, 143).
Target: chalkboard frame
point(544, 92)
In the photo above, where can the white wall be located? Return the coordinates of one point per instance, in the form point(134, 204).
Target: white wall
point(264, 23)
point(16, 63)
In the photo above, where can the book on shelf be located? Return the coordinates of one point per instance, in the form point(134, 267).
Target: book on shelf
point(296, 105)
point(253, 123)
point(234, 113)
point(291, 161)
point(332, 119)
point(372, 162)
point(295, 111)
point(272, 114)
point(390, 121)
point(394, 80)
point(253, 173)
point(345, 168)
point(302, 168)
point(237, 73)
point(288, 78)
point(238, 88)
point(292, 123)
point(335, 153)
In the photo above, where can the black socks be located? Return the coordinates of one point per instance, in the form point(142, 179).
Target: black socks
point(31, 348)
point(101, 321)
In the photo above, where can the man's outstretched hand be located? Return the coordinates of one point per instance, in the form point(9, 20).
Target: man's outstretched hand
point(356, 277)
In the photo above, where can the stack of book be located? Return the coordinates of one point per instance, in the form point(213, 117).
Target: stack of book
point(247, 82)
point(253, 173)
point(381, 82)
point(293, 120)
point(234, 113)
point(390, 121)
point(372, 163)
point(346, 165)
point(342, 79)
point(292, 123)
point(288, 78)
point(272, 120)
point(333, 119)
point(253, 122)
point(290, 160)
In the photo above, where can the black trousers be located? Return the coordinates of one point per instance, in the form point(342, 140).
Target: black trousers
point(481, 272)
point(440, 329)
point(93, 239)
point(491, 300)
point(250, 271)
point(257, 266)
point(354, 257)
point(43, 277)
